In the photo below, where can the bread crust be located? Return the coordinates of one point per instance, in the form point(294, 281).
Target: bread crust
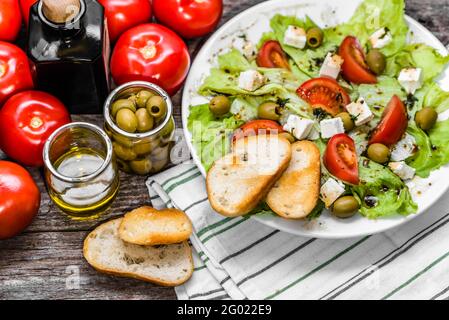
point(259, 185)
point(296, 193)
point(138, 226)
point(115, 272)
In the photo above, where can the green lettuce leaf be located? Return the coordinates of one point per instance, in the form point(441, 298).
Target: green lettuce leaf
point(391, 194)
point(210, 135)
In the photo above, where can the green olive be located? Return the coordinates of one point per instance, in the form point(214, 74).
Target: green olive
point(348, 123)
point(345, 207)
point(122, 104)
point(145, 147)
point(220, 105)
point(268, 110)
point(426, 118)
point(142, 98)
point(314, 37)
point(123, 166)
point(124, 141)
point(287, 136)
point(376, 61)
point(167, 131)
point(133, 98)
point(158, 165)
point(145, 122)
point(141, 166)
point(126, 120)
point(156, 107)
point(124, 153)
point(378, 153)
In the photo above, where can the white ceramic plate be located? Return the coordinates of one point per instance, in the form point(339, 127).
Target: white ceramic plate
point(253, 23)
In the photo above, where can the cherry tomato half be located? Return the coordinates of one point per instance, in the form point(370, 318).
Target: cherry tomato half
point(256, 127)
point(324, 93)
point(26, 121)
point(151, 52)
point(393, 124)
point(19, 201)
point(271, 55)
point(340, 158)
point(122, 15)
point(189, 18)
point(10, 20)
point(25, 6)
point(354, 68)
point(15, 74)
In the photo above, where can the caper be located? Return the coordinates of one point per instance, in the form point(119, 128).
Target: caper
point(345, 207)
point(144, 120)
point(268, 110)
point(314, 37)
point(348, 123)
point(378, 153)
point(426, 118)
point(376, 61)
point(122, 104)
point(142, 98)
point(141, 166)
point(220, 105)
point(287, 136)
point(156, 107)
point(124, 153)
point(126, 120)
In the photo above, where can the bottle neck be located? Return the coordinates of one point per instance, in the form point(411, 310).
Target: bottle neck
point(74, 24)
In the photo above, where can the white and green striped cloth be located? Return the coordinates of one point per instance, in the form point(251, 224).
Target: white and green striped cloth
point(240, 258)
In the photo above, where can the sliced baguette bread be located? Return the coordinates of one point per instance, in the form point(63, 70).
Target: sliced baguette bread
point(148, 226)
point(237, 182)
point(167, 265)
point(296, 193)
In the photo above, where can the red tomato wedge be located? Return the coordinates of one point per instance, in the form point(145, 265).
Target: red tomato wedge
point(271, 55)
point(256, 127)
point(393, 124)
point(324, 93)
point(354, 68)
point(340, 158)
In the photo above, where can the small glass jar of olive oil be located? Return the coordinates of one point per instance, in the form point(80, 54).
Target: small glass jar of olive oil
point(139, 120)
point(80, 170)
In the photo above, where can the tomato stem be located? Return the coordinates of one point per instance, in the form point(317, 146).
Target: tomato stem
point(2, 69)
point(36, 122)
point(149, 51)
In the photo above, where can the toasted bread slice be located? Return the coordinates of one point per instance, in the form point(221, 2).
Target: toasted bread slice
point(149, 227)
point(237, 182)
point(296, 193)
point(167, 265)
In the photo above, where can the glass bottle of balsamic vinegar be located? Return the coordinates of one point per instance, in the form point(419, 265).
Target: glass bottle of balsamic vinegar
point(69, 48)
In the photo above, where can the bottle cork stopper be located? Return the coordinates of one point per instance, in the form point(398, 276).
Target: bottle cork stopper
point(61, 11)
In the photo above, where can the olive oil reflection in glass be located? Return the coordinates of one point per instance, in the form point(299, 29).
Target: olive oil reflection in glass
point(84, 199)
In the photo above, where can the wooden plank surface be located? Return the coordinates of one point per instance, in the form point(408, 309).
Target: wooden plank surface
point(46, 260)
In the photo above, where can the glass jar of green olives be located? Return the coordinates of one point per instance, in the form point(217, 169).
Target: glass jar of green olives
point(138, 118)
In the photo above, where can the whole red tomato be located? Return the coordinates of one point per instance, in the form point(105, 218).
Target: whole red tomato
point(189, 18)
point(125, 14)
point(151, 52)
point(19, 201)
point(15, 74)
point(10, 20)
point(25, 6)
point(26, 121)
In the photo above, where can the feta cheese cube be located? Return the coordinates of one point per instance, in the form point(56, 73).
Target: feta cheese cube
point(404, 148)
point(299, 127)
point(314, 134)
point(411, 79)
point(249, 50)
point(380, 38)
point(331, 127)
point(330, 191)
point(402, 170)
point(251, 80)
point(360, 111)
point(295, 37)
point(331, 66)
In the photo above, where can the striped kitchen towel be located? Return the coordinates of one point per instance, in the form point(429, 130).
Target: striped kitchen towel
point(240, 258)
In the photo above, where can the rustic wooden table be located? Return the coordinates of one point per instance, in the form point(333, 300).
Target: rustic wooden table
point(46, 262)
